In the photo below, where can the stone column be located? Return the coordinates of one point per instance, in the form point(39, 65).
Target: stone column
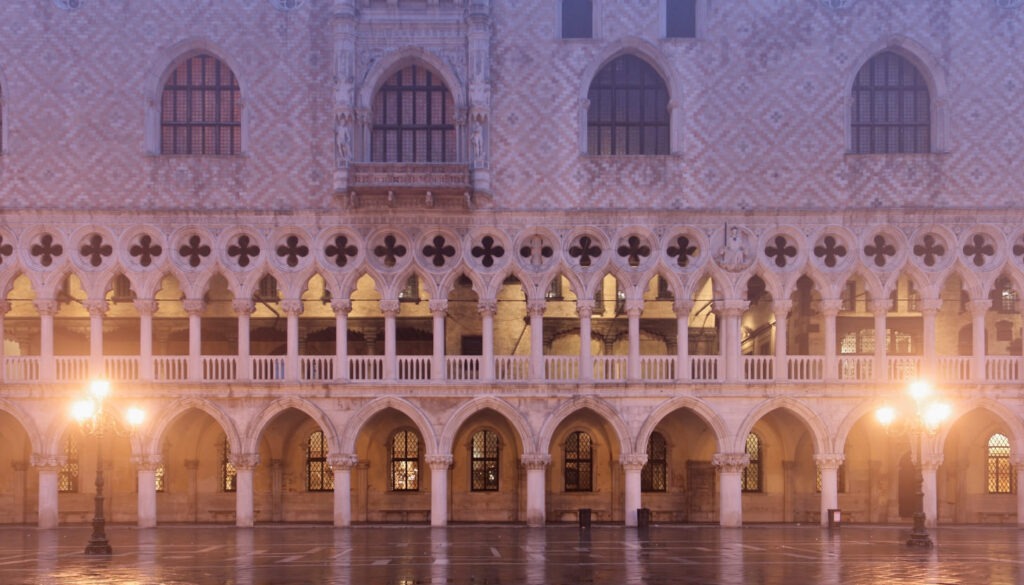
point(439, 465)
point(244, 466)
point(730, 506)
point(438, 310)
point(730, 312)
point(46, 308)
point(342, 465)
point(781, 309)
point(535, 309)
point(929, 311)
point(5, 307)
point(47, 466)
point(682, 309)
point(828, 466)
point(195, 308)
point(146, 308)
point(930, 463)
point(192, 477)
point(585, 310)
point(487, 311)
point(146, 467)
point(390, 308)
point(536, 488)
point(341, 307)
point(19, 470)
point(1018, 468)
point(97, 308)
point(244, 309)
point(292, 308)
point(634, 307)
point(632, 465)
point(880, 309)
point(830, 309)
point(978, 309)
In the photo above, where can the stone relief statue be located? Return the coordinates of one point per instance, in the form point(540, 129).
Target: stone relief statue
point(342, 141)
point(734, 255)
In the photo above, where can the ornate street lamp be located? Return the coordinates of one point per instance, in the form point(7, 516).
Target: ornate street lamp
point(921, 416)
point(95, 421)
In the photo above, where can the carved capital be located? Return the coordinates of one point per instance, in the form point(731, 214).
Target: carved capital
point(634, 307)
point(243, 306)
point(930, 306)
point(96, 307)
point(730, 462)
point(682, 307)
point(731, 307)
point(782, 307)
point(343, 461)
point(341, 306)
point(536, 308)
point(439, 462)
point(146, 306)
point(45, 461)
point(535, 460)
point(879, 306)
point(931, 461)
point(194, 306)
point(831, 307)
point(147, 461)
point(245, 461)
point(292, 307)
point(829, 460)
point(633, 461)
point(46, 307)
point(439, 306)
point(585, 308)
point(979, 307)
point(390, 307)
point(488, 307)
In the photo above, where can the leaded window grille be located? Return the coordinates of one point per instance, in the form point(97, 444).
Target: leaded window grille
point(1000, 478)
point(67, 477)
point(579, 462)
point(228, 473)
point(577, 19)
point(319, 476)
point(201, 109)
point(160, 478)
point(751, 477)
point(840, 479)
point(891, 111)
point(413, 119)
point(405, 461)
point(654, 475)
point(484, 459)
point(680, 19)
point(628, 111)
point(1003, 296)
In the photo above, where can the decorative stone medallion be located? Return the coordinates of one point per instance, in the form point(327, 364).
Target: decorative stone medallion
point(286, 5)
point(68, 4)
point(838, 4)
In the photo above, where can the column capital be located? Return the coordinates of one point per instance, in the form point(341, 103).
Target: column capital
point(978, 307)
point(633, 461)
point(682, 307)
point(340, 306)
point(831, 307)
point(879, 306)
point(147, 461)
point(343, 461)
point(292, 307)
point(930, 306)
point(931, 461)
point(46, 307)
point(146, 306)
point(535, 460)
point(243, 306)
point(585, 308)
point(390, 307)
point(439, 462)
point(438, 306)
point(245, 461)
point(634, 307)
point(536, 307)
point(487, 307)
point(782, 307)
point(730, 462)
point(193, 306)
point(829, 460)
point(731, 307)
point(96, 307)
point(47, 461)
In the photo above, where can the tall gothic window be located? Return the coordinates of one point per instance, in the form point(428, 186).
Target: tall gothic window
point(405, 461)
point(319, 477)
point(67, 477)
point(577, 19)
point(752, 474)
point(891, 107)
point(201, 109)
point(228, 473)
point(484, 461)
point(413, 119)
point(628, 112)
point(654, 475)
point(579, 463)
point(1000, 471)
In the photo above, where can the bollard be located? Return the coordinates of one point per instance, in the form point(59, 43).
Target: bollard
point(833, 517)
point(643, 517)
point(584, 516)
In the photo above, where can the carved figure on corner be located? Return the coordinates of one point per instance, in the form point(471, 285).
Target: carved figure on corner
point(342, 142)
point(733, 256)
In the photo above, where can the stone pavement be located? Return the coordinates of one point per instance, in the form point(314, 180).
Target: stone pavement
point(511, 555)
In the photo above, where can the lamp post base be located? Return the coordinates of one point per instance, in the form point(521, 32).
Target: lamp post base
point(98, 547)
point(919, 536)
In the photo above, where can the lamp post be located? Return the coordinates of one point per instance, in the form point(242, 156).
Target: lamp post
point(95, 421)
point(920, 417)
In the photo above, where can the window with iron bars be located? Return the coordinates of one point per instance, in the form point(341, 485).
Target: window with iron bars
point(319, 476)
point(201, 109)
point(484, 453)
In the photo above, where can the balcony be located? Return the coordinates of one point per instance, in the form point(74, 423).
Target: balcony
point(382, 184)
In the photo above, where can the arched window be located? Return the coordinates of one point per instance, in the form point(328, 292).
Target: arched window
point(405, 461)
point(201, 109)
point(67, 477)
point(228, 473)
point(413, 119)
point(654, 475)
point(579, 463)
point(891, 107)
point(628, 112)
point(1000, 471)
point(750, 478)
point(160, 478)
point(319, 477)
point(577, 19)
point(484, 461)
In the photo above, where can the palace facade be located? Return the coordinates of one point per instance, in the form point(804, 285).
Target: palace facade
point(439, 261)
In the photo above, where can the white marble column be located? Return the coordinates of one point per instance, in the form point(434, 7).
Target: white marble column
point(292, 308)
point(438, 310)
point(146, 467)
point(880, 309)
point(146, 308)
point(342, 466)
point(682, 309)
point(536, 311)
point(634, 307)
point(930, 463)
point(194, 308)
point(342, 307)
point(46, 308)
point(390, 309)
point(781, 308)
point(243, 309)
point(47, 466)
point(1018, 468)
point(730, 486)
point(244, 464)
point(487, 310)
point(5, 307)
point(585, 310)
point(730, 312)
point(96, 308)
point(830, 310)
point(439, 465)
point(979, 309)
point(828, 466)
point(929, 312)
point(536, 487)
point(632, 465)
